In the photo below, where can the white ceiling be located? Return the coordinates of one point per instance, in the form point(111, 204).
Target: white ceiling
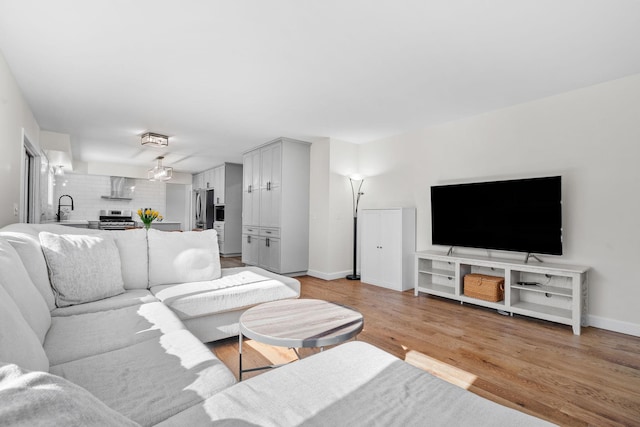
point(220, 77)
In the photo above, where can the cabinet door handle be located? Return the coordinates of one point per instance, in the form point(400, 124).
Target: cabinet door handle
point(267, 242)
point(248, 239)
point(249, 189)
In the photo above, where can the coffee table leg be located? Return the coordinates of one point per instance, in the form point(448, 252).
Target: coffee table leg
point(240, 357)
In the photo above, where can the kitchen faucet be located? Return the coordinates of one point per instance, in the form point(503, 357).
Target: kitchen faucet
point(59, 205)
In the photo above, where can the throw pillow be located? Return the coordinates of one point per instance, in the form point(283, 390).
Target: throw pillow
point(176, 257)
point(16, 281)
point(82, 268)
point(18, 343)
point(40, 398)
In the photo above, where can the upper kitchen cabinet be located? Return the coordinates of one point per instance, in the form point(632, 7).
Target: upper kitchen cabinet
point(275, 211)
point(198, 181)
point(218, 177)
point(207, 179)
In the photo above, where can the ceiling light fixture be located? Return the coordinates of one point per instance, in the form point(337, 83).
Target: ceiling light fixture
point(154, 140)
point(159, 172)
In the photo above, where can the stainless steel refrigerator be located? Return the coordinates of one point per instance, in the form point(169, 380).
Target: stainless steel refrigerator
point(203, 209)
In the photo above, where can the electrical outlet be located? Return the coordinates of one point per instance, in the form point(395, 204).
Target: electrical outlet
point(15, 209)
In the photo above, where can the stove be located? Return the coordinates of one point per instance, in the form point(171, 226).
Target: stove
point(116, 219)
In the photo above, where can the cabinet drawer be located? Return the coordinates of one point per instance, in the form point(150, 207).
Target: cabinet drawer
point(250, 229)
point(270, 232)
point(219, 227)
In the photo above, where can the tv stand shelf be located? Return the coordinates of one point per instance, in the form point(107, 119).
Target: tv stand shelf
point(558, 295)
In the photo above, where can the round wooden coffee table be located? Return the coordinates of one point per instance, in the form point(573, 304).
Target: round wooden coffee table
point(298, 323)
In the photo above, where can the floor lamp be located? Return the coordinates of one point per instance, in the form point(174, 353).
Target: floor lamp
point(356, 201)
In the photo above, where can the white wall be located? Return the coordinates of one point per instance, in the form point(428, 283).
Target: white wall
point(344, 163)
point(15, 116)
point(319, 243)
point(589, 136)
point(331, 221)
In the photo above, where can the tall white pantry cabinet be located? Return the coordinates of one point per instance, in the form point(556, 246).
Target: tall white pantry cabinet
point(275, 206)
point(388, 247)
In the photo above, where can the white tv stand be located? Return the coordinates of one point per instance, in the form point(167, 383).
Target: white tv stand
point(560, 296)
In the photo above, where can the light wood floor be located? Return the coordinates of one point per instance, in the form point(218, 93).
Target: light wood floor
point(537, 367)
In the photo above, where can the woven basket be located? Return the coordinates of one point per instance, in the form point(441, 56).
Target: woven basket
point(481, 286)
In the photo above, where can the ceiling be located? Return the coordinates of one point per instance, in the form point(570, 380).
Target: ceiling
point(220, 77)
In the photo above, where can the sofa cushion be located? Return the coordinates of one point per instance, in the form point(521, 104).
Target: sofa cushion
point(24, 238)
point(191, 256)
point(130, 298)
point(27, 244)
point(352, 384)
point(74, 337)
point(39, 398)
point(152, 380)
point(18, 284)
point(82, 268)
point(190, 300)
point(18, 343)
point(134, 260)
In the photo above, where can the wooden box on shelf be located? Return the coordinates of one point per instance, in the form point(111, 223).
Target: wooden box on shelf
point(484, 287)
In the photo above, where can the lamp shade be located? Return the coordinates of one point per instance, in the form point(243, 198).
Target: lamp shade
point(159, 172)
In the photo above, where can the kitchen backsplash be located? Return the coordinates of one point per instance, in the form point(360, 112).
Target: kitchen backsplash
point(87, 190)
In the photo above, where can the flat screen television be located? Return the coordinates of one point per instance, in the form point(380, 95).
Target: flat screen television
point(521, 215)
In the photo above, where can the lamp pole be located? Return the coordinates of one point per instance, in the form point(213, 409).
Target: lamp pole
point(356, 201)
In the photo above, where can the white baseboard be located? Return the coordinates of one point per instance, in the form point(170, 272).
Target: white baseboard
point(614, 325)
point(329, 276)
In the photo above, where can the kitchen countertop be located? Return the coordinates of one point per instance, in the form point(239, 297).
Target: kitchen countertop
point(68, 222)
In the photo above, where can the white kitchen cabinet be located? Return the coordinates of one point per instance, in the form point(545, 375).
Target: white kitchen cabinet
point(276, 202)
point(269, 253)
point(387, 247)
point(198, 181)
point(251, 188)
point(207, 179)
point(250, 245)
point(270, 206)
point(218, 183)
point(271, 165)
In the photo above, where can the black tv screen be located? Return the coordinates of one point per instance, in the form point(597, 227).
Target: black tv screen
point(522, 215)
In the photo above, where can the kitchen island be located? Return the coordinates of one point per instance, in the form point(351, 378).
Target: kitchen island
point(163, 225)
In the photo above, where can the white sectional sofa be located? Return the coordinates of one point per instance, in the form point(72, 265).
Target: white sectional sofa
point(107, 328)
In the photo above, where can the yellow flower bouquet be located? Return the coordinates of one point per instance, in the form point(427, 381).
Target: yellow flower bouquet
point(147, 216)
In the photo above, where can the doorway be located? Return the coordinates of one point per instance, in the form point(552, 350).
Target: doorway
point(29, 209)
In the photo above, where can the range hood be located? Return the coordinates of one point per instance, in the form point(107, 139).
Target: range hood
point(121, 188)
